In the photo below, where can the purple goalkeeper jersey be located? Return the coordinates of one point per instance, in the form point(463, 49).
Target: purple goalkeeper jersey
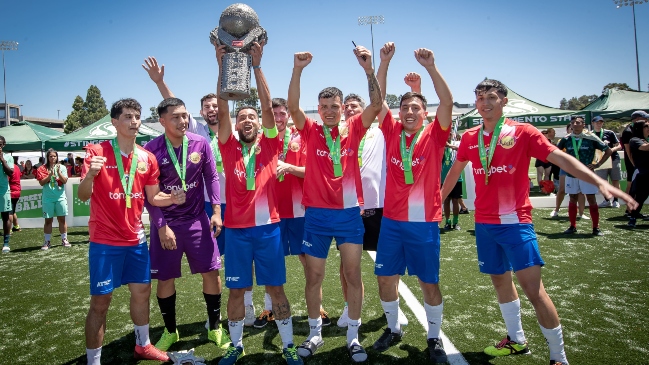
point(201, 171)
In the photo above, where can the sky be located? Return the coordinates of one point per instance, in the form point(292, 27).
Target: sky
point(543, 50)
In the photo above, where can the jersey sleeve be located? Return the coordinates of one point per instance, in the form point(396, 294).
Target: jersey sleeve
point(41, 172)
point(154, 173)
point(387, 125)
point(538, 145)
point(358, 127)
point(210, 176)
point(463, 149)
point(306, 130)
point(562, 143)
point(601, 145)
point(635, 144)
point(440, 135)
point(90, 153)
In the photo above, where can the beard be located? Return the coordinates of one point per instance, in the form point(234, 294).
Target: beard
point(249, 139)
point(211, 121)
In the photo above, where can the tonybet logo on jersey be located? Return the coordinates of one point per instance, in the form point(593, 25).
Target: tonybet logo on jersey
point(343, 153)
point(399, 164)
point(494, 170)
point(180, 187)
point(120, 196)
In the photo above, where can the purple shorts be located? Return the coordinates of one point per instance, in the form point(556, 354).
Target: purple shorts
point(195, 240)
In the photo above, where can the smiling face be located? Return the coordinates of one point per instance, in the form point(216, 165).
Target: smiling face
point(490, 104)
point(247, 125)
point(352, 107)
point(210, 111)
point(330, 110)
point(281, 117)
point(412, 114)
point(128, 123)
point(175, 121)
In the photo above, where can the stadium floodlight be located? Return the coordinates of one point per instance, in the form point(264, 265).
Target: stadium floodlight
point(632, 4)
point(371, 20)
point(7, 46)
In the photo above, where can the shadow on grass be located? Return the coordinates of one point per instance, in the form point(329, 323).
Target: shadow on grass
point(27, 249)
point(638, 227)
point(561, 235)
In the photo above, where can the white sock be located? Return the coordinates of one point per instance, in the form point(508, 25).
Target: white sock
point(391, 310)
point(512, 315)
point(268, 302)
point(94, 356)
point(352, 331)
point(554, 337)
point(236, 332)
point(434, 317)
point(247, 298)
point(285, 327)
point(315, 327)
point(47, 236)
point(64, 235)
point(142, 335)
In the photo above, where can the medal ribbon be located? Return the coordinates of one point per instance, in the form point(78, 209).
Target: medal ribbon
point(287, 140)
point(216, 152)
point(486, 161)
point(53, 177)
point(334, 151)
point(127, 184)
point(406, 155)
point(360, 151)
point(249, 162)
point(576, 146)
point(172, 154)
point(447, 156)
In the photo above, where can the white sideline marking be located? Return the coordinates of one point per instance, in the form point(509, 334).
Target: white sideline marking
point(454, 356)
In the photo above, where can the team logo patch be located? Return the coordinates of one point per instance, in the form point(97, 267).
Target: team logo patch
point(141, 167)
point(294, 146)
point(344, 132)
point(507, 142)
point(257, 149)
point(195, 157)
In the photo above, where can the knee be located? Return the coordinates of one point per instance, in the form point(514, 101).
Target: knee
point(99, 304)
point(353, 275)
point(314, 276)
point(237, 294)
point(275, 291)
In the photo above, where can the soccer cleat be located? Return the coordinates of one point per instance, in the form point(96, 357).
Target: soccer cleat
point(447, 227)
point(291, 356)
point(167, 339)
point(507, 347)
point(605, 204)
point(554, 213)
point(436, 351)
point(232, 355)
point(15, 229)
point(387, 339)
point(308, 347)
point(456, 227)
point(249, 319)
point(65, 242)
point(631, 223)
point(326, 321)
point(342, 321)
point(464, 211)
point(584, 217)
point(263, 319)
point(597, 232)
point(219, 337)
point(5, 249)
point(616, 204)
point(149, 352)
point(357, 353)
point(403, 320)
point(46, 246)
point(571, 230)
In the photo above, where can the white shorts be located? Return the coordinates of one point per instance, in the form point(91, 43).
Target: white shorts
point(576, 186)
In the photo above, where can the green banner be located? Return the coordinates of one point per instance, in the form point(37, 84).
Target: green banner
point(30, 204)
point(79, 208)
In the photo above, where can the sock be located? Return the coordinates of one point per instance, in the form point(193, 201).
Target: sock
point(594, 215)
point(448, 221)
point(352, 331)
point(268, 303)
point(142, 335)
point(236, 332)
point(48, 236)
point(93, 356)
point(64, 235)
point(391, 310)
point(285, 327)
point(213, 302)
point(572, 214)
point(346, 304)
point(512, 315)
point(168, 311)
point(554, 338)
point(247, 298)
point(456, 219)
point(6, 239)
point(315, 328)
point(434, 317)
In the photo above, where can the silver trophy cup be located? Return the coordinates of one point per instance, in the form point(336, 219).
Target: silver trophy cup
point(238, 29)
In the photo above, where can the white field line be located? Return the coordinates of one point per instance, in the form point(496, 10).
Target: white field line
point(454, 356)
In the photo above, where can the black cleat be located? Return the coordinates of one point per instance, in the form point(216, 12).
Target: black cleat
point(436, 351)
point(597, 232)
point(571, 230)
point(387, 339)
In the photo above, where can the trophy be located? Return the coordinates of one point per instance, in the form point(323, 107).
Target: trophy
point(238, 29)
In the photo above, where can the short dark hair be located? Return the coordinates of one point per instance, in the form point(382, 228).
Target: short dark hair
point(637, 129)
point(243, 107)
point(355, 97)
point(489, 84)
point(575, 117)
point(4, 141)
point(415, 95)
point(330, 92)
point(166, 103)
point(121, 104)
point(208, 96)
point(277, 102)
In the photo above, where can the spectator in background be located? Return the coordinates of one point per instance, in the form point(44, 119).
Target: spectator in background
point(28, 172)
point(78, 163)
point(52, 176)
point(21, 165)
point(615, 173)
point(41, 161)
point(639, 147)
point(543, 169)
point(638, 116)
point(14, 186)
point(561, 192)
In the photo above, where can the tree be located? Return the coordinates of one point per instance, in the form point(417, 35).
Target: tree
point(154, 114)
point(576, 103)
point(252, 100)
point(86, 112)
point(73, 120)
point(392, 100)
point(617, 86)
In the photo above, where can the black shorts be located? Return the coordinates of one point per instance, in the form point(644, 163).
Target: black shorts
point(630, 169)
point(14, 202)
point(372, 222)
point(541, 163)
point(456, 193)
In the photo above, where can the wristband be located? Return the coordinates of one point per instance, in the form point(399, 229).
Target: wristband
point(255, 67)
point(270, 133)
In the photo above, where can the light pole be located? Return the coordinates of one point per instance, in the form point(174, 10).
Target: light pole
point(7, 46)
point(58, 114)
point(633, 3)
point(371, 20)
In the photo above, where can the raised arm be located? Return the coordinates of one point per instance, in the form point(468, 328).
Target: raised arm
point(300, 61)
point(413, 80)
point(445, 110)
point(225, 126)
point(157, 74)
point(268, 118)
point(386, 53)
point(364, 57)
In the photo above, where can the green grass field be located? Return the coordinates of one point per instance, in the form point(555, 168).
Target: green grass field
point(599, 286)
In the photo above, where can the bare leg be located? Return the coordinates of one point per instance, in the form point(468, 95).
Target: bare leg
point(96, 320)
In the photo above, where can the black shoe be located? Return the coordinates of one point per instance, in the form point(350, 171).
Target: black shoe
point(456, 227)
point(571, 230)
point(326, 321)
point(387, 339)
point(464, 211)
point(631, 223)
point(436, 351)
point(597, 232)
point(263, 319)
point(447, 227)
point(357, 353)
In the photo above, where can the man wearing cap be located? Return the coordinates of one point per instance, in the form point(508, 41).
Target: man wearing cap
point(627, 134)
point(615, 173)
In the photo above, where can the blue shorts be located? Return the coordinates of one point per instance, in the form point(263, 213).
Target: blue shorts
point(562, 173)
point(321, 225)
point(412, 245)
point(292, 234)
point(220, 239)
point(503, 247)
point(260, 245)
point(112, 266)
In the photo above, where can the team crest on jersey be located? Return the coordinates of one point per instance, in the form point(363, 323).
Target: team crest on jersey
point(195, 157)
point(257, 149)
point(294, 146)
point(344, 132)
point(507, 142)
point(141, 167)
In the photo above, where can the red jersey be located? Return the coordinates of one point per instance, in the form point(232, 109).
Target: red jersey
point(420, 201)
point(14, 183)
point(324, 189)
point(506, 199)
point(111, 223)
point(250, 208)
point(289, 191)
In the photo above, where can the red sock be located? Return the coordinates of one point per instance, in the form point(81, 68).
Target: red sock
point(594, 215)
point(572, 214)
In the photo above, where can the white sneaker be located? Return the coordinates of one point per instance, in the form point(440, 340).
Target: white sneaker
point(5, 249)
point(342, 321)
point(249, 320)
point(616, 204)
point(554, 213)
point(403, 320)
point(46, 246)
point(605, 204)
point(584, 217)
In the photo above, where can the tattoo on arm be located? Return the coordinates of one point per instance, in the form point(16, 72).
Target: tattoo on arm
point(375, 90)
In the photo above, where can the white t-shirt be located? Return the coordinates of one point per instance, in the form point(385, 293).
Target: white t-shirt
point(373, 169)
point(204, 131)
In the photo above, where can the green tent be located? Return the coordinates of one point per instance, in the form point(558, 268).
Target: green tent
point(525, 110)
point(26, 136)
point(97, 132)
point(618, 104)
